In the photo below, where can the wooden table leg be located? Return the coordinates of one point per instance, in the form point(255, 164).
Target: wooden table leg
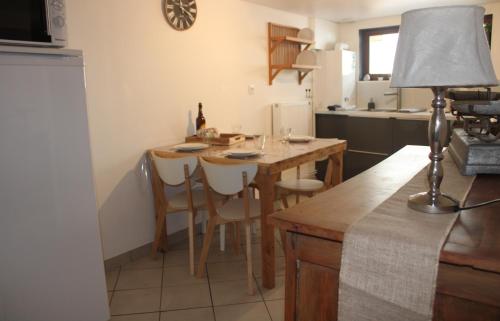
point(160, 204)
point(266, 194)
point(335, 169)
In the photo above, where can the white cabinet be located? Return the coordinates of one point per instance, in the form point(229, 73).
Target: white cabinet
point(51, 265)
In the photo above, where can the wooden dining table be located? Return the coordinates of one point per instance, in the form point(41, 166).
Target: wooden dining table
point(277, 157)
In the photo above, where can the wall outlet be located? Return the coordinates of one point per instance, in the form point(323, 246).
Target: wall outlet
point(251, 89)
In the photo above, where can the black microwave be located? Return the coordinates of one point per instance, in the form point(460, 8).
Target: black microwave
point(33, 23)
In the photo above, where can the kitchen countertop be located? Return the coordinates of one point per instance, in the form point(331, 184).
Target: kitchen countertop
point(424, 115)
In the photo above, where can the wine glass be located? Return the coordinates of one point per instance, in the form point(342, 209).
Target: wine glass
point(285, 134)
point(259, 142)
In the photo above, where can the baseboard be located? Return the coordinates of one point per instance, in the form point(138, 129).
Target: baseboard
point(144, 250)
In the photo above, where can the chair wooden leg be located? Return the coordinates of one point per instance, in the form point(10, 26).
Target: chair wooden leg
point(163, 242)
point(206, 246)
point(284, 200)
point(159, 232)
point(248, 241)
point(191, 217)
point(297, 198)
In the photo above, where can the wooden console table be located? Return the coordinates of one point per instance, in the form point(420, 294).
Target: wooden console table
point(468, 284)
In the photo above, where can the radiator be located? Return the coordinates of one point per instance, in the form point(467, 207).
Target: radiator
point(294, 115)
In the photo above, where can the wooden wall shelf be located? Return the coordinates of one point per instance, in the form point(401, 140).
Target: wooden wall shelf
point(284, 46)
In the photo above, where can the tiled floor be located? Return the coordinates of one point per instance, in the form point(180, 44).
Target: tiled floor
point(163, 289)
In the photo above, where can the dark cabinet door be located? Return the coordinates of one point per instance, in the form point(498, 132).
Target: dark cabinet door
point(409, 132)
point(369, 140)
point(413, 132)
point(370, 134)
point(356, 162)
point(331, 126)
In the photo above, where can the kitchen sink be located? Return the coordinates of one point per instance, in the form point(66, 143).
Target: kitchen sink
point(378, 110)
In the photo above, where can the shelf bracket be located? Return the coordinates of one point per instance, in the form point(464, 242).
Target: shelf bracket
point(302, 75)
point(273, 75)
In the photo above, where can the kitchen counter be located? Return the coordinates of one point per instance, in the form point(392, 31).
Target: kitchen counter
point(425, 115)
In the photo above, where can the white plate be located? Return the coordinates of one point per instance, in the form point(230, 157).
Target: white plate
point(306, 33)
point(191, 146)
point(242, 152)
point(300, 139)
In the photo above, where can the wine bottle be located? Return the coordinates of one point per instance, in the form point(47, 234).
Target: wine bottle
point(200, 120)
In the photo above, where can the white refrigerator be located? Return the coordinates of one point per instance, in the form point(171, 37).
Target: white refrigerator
point(51, 264)
point(335, 82)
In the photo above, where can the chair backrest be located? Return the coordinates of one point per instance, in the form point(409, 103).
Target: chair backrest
point(171, 169)
point(227, 179)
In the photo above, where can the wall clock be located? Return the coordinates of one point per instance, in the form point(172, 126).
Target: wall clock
point(180, 14)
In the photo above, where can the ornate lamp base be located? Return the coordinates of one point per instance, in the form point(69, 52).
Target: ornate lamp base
point(438, 203)
point(423, 202)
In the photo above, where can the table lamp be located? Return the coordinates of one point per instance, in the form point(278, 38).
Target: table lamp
point(441, 48)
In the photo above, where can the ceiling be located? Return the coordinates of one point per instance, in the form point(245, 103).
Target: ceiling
point(353, 10)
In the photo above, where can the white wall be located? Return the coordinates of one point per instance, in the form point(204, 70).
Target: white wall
point(349, 33)
point(326, 33)
point(144, 81)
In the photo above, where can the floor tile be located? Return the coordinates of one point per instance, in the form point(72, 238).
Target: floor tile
point(146, 262)
point(276, 309)
point(135, 301)
point(232, 292)
point(139, 279)
point(226, 271)
point(180, 257)
point(184, 244)
point(203, 314)
point(242, 312)
point(181, 245)
point(136, 317)
point(179, 275)
point(273, 294)
point(279, 266)
point(111, 278)
point(185, 297)
point(216, 255)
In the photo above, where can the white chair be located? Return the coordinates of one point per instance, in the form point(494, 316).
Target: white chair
point(229, 179)
point(300, 186)
point(174, 171)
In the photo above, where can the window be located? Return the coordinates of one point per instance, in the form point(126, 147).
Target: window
point(378, 48)
point(488, 26)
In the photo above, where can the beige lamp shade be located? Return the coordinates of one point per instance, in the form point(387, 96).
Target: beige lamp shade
point(443, 47)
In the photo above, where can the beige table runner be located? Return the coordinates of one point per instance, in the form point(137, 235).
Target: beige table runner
point(390, 257)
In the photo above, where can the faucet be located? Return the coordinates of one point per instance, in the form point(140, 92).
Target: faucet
point(398, 94)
